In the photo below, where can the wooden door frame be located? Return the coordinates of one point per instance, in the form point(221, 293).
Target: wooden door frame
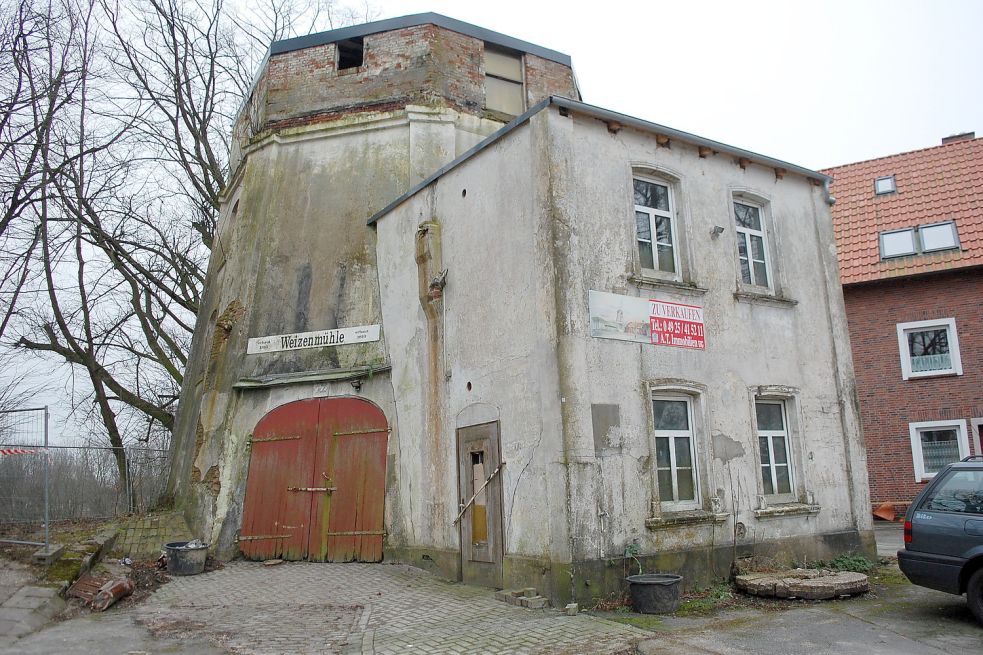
point(495, 491)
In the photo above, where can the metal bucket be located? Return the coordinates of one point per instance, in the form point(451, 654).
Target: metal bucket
point(182, 560)
point(654, 593)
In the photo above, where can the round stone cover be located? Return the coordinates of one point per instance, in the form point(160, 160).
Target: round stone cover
point(811, 584)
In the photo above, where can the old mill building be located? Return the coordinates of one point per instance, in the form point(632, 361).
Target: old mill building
point(456, 317)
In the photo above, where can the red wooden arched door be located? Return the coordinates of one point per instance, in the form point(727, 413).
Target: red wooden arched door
point(317, 482)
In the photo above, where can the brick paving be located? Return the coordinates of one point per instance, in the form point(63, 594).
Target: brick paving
point(296, 607)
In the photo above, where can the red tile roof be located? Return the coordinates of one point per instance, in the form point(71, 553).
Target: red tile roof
point(944, 183)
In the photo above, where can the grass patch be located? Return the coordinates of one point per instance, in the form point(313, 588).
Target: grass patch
point(708, 601)
point(855, 563)
point(888, 574)
point(643, 621)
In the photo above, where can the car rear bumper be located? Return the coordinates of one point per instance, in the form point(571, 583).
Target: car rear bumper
point(933, 571)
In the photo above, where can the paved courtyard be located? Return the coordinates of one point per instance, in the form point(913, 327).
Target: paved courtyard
point(297, 607)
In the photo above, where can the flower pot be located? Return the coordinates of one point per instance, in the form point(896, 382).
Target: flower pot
point(654, 593)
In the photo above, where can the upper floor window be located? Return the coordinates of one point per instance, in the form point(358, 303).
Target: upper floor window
point(914, 240)
point(503, 82)
point(929, 348)
point(654, 226)
point(751, 245)
point(885, 185)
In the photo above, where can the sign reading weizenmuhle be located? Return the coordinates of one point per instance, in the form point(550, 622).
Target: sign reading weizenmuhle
point(319, 339)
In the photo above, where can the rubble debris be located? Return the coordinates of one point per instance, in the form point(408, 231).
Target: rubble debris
point(111, 592)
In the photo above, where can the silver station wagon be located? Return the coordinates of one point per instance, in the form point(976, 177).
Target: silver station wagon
point(943, 534)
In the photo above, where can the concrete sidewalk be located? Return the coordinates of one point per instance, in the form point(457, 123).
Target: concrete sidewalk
point(898, 619)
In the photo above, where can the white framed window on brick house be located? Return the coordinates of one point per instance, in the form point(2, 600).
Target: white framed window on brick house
point(931, 237)
point(655, 225)
point(504, 88)
point(929, 348)
point(935, 444)
point(752, 244)
point(774, 448)
point(675, 451)
point(977, 424)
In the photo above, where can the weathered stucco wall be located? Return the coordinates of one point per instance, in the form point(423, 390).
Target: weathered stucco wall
point(293, 254)
point(498, 357)
point(792, 344)
point(528, 227)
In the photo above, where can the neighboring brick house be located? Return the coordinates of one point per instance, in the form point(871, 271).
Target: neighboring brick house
point(909, 232)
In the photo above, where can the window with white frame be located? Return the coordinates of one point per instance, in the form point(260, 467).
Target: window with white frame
point(655, 229)
point(932, 237)
point(935, 444)
point(929, 348)
point(884, 185)
point(774, 447)
point(752, 251)
point(675, 453)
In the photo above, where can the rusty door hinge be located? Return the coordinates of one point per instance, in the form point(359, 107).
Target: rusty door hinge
point(273, 439)
point(355, 533)
point(326, 490)
point(369, 431)
point(263, 536)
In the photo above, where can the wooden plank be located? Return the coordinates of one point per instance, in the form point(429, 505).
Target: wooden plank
point(281, 463)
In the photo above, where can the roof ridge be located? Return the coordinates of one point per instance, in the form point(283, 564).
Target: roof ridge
point(901, 154)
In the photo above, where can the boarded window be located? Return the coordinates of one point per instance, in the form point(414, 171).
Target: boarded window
point(503, 82)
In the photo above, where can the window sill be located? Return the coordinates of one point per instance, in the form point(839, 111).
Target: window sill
point(758, 298)
point(786, 509)
point(933, 374)
point(648, 282)
point(684, 519)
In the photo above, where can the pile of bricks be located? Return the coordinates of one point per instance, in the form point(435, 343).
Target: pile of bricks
point(527, 597)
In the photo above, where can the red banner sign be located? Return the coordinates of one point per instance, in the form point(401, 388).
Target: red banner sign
point(674, 324)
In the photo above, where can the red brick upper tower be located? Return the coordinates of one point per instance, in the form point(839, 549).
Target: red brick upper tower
point(423, 59)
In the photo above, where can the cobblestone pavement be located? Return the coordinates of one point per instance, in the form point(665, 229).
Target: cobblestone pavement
point(298, 607)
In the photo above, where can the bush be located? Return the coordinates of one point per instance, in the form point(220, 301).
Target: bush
point(856, 563)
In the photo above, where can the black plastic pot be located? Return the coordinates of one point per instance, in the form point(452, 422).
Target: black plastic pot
point(654, 593)
point(182, 560)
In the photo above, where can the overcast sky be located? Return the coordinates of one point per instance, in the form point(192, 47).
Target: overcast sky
point(814, 83)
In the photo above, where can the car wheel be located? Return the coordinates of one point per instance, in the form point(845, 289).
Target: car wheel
point(974, 594)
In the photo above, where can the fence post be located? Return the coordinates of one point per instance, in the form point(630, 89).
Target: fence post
point(47, 478)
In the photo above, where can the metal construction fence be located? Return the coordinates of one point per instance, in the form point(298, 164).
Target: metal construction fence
point(44, 483)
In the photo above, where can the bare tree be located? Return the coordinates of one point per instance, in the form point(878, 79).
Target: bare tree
point(114, 130)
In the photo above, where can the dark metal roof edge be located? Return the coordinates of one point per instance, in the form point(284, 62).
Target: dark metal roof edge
point(485, 143)
point(624, 119)
point(602, 114)
point(429, 18)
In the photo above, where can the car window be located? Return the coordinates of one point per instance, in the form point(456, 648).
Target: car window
point(960, 491)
